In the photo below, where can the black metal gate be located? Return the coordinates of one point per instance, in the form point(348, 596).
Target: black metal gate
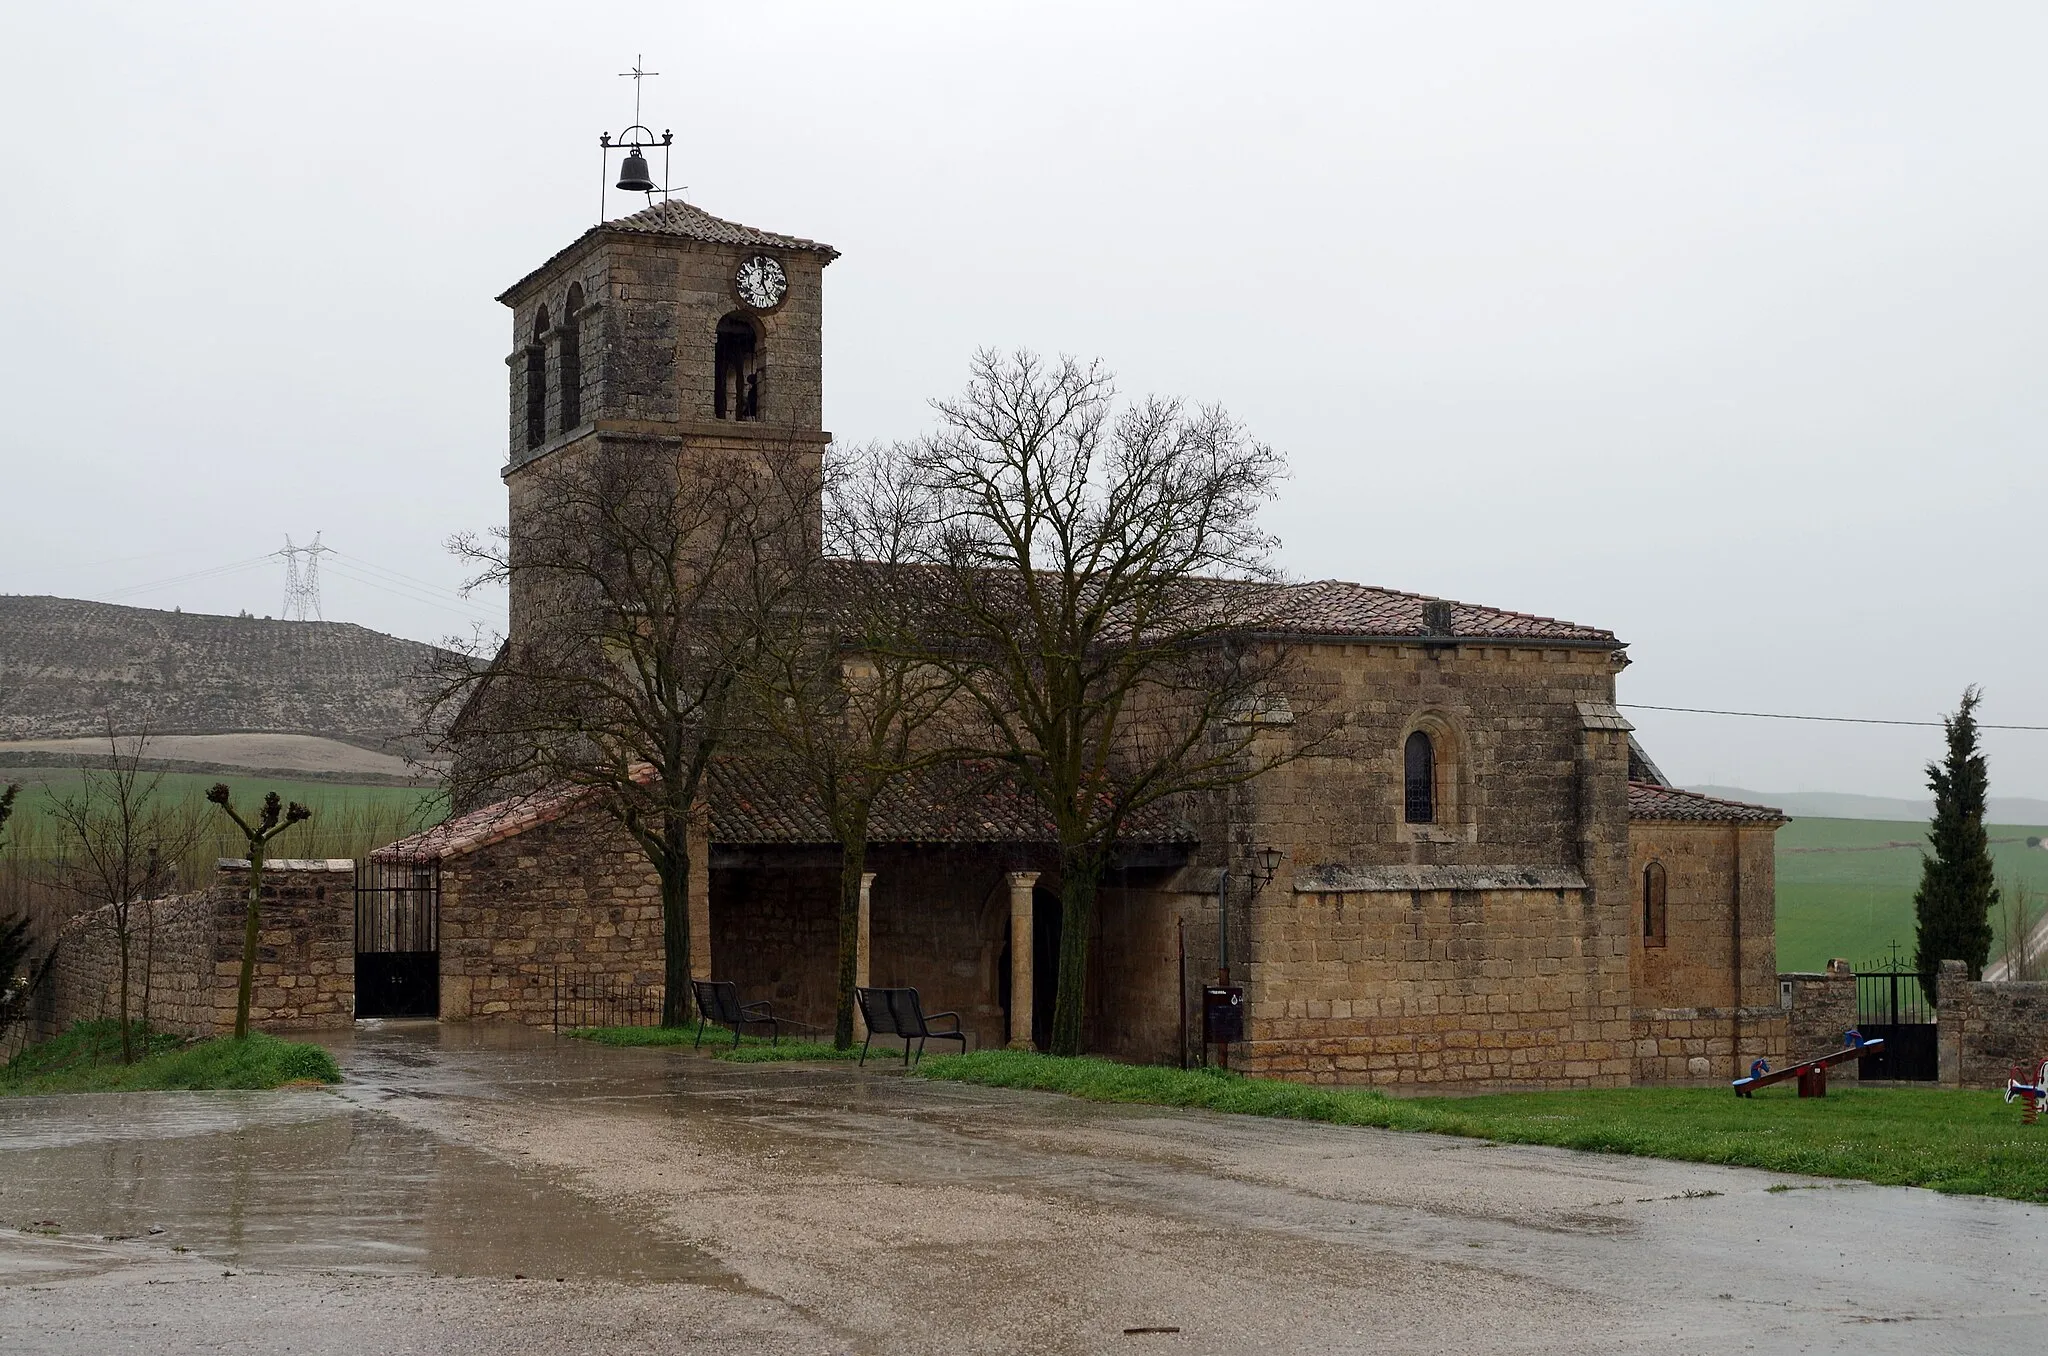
point(398, 940)
point(1891, 1002)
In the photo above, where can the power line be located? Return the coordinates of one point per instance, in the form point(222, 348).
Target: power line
point(1835, 720)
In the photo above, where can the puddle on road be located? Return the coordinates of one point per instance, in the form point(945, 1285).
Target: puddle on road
point(307, 1180)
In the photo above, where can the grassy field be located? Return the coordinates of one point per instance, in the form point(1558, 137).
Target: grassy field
point(87, 1058)
point(1968, 1142)
point(1845, 886)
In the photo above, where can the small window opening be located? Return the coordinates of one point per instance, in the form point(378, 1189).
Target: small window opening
point(572, 360)
point(1418, 761)
point(737, 370)
point(1653, 904)
point(537, 382)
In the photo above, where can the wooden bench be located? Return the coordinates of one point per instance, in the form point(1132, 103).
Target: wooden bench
point(718, 1000)
point(900, 1012)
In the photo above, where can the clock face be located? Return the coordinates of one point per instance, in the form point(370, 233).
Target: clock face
point(761, 283)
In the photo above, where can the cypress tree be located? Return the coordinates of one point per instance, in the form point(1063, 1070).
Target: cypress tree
point(1957, 891)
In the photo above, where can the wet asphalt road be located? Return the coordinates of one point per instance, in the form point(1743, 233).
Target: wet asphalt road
point(489, 1189)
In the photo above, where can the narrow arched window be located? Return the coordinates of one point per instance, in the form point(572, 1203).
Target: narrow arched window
point(737, 369)
point(1653, 904)
point(571, 367)
point(1418, 765)
point(537, 382)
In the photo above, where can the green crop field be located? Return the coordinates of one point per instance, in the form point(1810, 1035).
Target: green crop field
point(1845, 886)
point(347, 820)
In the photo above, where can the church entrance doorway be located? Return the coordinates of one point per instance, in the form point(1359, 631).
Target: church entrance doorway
point(398, 940)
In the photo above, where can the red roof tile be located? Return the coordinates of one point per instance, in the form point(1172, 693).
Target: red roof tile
point(761, 801)
point(1649, 801)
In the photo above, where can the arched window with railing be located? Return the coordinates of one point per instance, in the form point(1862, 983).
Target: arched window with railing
point(570, 365)
point(1654, 904)
point(1418, 768)
point(537, 381)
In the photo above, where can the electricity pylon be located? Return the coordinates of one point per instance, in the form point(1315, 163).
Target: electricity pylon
point(302, 581)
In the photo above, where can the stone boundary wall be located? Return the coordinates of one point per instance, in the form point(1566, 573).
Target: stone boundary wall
point(1987, 1027)
point(170, 952)
point(1432, 986)
point(305, 957)
point(1823, 1010)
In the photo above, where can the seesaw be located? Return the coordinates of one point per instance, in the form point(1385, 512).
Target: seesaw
point(1811, 1073)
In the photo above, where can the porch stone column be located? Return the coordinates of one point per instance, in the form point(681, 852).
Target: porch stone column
point(1021, 883)
point(700, 898)
point(860, 950)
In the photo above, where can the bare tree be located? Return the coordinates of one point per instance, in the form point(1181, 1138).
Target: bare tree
point(2016, 925)
point(846, 694)
point(120, 832)
point(1108, 599)
point(274, 820)
point(642, 592)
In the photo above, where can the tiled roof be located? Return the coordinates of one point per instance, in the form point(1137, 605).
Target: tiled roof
point(1649, 801)
point(676, 217)
point(761, 801)
point(1333, 607)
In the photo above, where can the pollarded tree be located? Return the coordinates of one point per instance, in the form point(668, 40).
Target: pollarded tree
point(1105, 606)
point(274, 819)
point(643, 592)
point(1958, 888)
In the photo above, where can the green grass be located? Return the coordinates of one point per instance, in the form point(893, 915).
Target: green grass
point(1968, 1142)
point(750, 1050)
point(1842, 892)
point(87, 1058)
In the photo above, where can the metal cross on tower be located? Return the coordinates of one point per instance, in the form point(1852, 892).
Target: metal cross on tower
point(638, 75)
point(302, 582)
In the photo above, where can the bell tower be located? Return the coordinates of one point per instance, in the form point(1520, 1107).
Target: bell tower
point(668, 326)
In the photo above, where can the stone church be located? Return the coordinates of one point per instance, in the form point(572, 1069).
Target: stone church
point(1476, 878)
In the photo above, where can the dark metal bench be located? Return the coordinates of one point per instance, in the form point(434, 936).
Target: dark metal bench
point(900, 1012)
point(718, 1000)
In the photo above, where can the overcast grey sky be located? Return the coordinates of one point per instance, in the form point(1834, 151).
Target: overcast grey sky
point(1718, 325)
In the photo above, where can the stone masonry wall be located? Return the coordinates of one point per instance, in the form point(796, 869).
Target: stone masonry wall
point(1821, 1011)
point(305, 958)
point(1986, 1028)
point(574, 898)
point(1468, 978)
point(1691, 997)
point(1433, 986)
point(170, 952)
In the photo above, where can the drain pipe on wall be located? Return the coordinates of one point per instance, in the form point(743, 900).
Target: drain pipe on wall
point(1735, 944)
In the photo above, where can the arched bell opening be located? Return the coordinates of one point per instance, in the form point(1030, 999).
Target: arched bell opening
point(738, 369)
point(537, 381)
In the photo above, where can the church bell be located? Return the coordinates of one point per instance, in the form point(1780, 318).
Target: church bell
point(633, 173)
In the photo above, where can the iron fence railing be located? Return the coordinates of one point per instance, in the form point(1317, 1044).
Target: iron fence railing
point(597, 1000)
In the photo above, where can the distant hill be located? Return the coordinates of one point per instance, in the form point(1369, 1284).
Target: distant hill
point(1842, 805)
point(64, 663)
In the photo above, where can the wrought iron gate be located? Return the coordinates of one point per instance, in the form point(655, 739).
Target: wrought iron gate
point(1891, 1002)
point(398, 940)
